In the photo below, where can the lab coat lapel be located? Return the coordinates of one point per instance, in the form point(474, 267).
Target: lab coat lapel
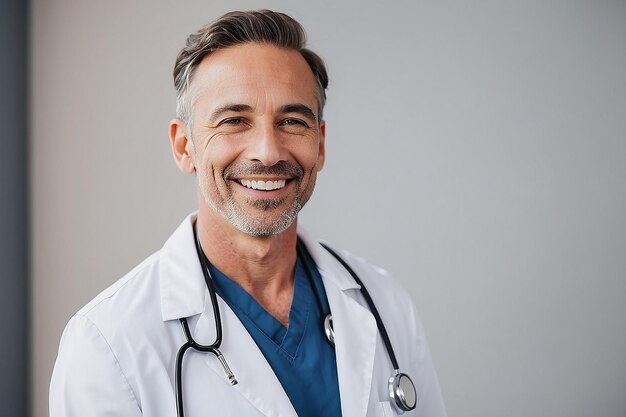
point(355, 345)
point(355, 330)
point(182, 285)
point(256, 379)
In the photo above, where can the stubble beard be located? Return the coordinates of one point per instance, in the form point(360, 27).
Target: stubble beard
point(257, 226)
point(260, 226)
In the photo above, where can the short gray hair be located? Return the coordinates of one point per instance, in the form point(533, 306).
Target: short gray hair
point(236, 28)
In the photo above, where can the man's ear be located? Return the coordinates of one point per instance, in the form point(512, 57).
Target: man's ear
point(181, 144)
point(322, 147)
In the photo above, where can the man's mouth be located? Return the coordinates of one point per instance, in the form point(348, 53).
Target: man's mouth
point(263, 185)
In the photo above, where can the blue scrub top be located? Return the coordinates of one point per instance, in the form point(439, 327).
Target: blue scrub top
point(300, 355)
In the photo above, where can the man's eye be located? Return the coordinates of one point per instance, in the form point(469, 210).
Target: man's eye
point(293, 122)
point(234, 121)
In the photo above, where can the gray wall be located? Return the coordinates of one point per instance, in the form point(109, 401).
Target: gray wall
point(13, 205)
point(475, 149)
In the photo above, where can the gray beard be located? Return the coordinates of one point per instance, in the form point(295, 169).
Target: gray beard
point(257, 227)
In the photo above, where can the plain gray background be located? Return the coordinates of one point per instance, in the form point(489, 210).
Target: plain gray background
point(477, 150)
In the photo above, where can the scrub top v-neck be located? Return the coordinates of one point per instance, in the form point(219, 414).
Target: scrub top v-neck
point(300, 355)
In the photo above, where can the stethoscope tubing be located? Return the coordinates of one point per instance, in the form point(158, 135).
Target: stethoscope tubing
point(179, 377)
point(191, 343)
point(395, 384)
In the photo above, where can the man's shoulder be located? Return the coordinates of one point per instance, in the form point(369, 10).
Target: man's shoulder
point(135, 296)
point(154, 292)
point(378, 281)
point(384, 289)
point(115, 338)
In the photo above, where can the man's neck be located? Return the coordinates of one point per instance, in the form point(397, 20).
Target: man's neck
point(262, 266)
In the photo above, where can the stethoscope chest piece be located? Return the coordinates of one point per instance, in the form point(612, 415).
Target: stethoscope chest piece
point(402, 391)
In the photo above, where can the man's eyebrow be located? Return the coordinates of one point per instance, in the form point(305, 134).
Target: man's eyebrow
point(236, 108)
point(299, 108)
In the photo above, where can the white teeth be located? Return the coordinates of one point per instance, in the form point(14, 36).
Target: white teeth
point(263, 185)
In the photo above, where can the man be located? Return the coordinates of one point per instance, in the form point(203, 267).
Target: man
point(249, 125)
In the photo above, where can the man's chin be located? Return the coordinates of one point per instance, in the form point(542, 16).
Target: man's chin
point(265, 224)
point(266, 203)
point(262, 231)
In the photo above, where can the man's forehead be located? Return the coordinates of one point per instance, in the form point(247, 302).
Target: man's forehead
point(248, 73)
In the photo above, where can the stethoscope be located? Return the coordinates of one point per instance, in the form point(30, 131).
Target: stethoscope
point(401, 388)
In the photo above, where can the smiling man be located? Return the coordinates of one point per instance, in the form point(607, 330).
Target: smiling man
point(243, 313)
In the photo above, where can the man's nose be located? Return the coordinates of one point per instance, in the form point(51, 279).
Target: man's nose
point(266, 146)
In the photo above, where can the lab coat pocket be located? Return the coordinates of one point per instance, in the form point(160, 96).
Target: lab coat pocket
point(384, 410)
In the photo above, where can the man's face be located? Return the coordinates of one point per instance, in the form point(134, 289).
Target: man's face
point(257, 144)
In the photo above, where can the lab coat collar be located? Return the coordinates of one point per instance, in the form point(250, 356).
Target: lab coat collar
point(182, 283)
point(328, 266)
point(180, 274)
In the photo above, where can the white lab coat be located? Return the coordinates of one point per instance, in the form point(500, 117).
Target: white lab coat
point(117, 354)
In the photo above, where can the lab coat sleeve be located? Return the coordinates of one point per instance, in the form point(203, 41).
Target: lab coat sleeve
point(87, 380)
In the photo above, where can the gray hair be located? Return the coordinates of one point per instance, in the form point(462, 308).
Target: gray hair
point(236, 28)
